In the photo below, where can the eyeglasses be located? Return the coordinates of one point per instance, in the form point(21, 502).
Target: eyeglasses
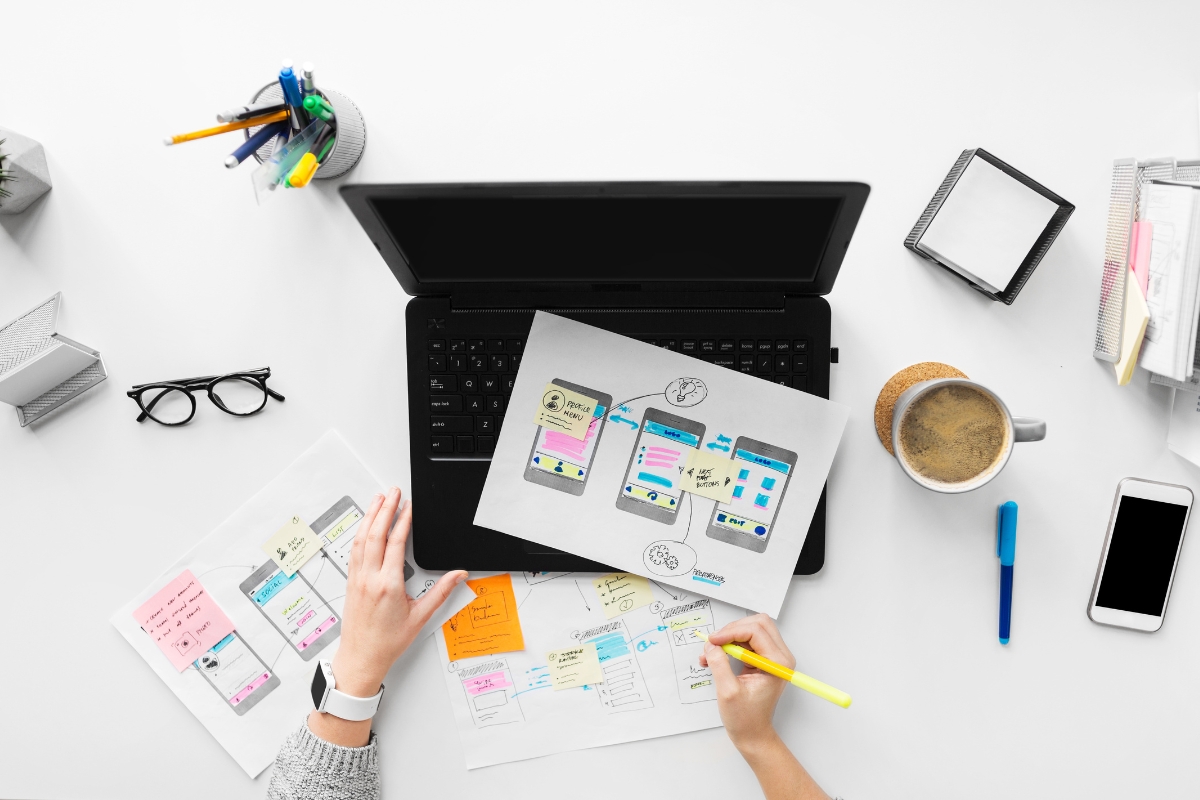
point(171, 403)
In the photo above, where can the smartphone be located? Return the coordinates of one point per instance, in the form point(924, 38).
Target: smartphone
point(237, 673)
point(1141, 550)
point(294, 607)
point(562, 462)
point(652, 481)
point(749, 517)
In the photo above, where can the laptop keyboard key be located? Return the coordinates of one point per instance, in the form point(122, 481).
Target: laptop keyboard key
point(440, 424)
point(746, 364)
point(515, 345)
point(783, 363)
point(487, 444)
point(725, 346)
point(708, 345)
point(783, 346)
point(477, 363)
point(475, 345)
point(456, 363)
point(801, 345)
point(445, 403)
point(688, 346)
point(490, 384)
point(764, 345)
point(443, 383)
point(800, 363)
point(441, 444)
point(764, 363)
point(495, 345)
point(783, 380)
point(498, 363)
point(485, 424)
point(514, 361)
point(466, 444)
point(437, 345)
point(746, 345)
point(470, 383)
point(437, 363)
point(494, 404)
point(800, 382)
point(475, 403)
point(506, 384)
point(725, 361)
point(458, 345)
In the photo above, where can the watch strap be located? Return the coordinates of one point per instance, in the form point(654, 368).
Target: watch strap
point(348, 707)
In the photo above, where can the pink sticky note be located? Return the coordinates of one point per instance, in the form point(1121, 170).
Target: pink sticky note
point(183, 620)
point(1139, 249)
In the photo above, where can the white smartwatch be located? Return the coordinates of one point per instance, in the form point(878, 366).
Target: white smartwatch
point(329, 700)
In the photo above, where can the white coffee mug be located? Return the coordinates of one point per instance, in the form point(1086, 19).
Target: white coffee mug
point(1020, 429)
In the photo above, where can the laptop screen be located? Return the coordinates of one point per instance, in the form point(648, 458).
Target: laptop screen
point(597, 239)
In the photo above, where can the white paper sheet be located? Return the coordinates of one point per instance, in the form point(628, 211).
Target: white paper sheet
point(630, 513)
point(312, 485)
point(506, 710)
point(1183, 436)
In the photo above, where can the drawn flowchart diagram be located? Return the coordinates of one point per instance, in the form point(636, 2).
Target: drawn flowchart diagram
point(507, 708)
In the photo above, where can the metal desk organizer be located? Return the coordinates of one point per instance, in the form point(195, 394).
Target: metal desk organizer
point(40, 369)
point(351, 131)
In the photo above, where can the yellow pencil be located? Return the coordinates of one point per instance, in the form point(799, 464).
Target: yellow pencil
point(823, 690)
point(266, 119)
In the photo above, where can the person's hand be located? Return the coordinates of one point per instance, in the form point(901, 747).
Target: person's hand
point(747, 701)
point(380, 620)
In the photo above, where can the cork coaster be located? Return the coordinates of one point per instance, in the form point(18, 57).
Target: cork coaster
point(896, 385)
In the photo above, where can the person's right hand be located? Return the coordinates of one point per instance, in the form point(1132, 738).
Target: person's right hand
point(747, 701)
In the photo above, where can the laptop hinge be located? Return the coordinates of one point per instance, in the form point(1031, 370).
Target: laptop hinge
point(617, 300)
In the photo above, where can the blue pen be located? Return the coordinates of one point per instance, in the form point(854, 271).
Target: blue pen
point(291, 94)
point(1006, 550)
point(254, 142)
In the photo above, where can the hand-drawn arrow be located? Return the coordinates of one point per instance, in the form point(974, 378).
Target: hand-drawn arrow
point(629, 422)
point(665, 589)
point(714, 446)
point(585, 602)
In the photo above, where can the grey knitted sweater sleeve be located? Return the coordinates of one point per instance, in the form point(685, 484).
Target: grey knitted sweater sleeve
point(308, 768)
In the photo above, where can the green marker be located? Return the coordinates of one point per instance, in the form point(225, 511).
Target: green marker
point(317, 106)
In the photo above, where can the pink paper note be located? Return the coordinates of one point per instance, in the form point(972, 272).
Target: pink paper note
point(183, 620)
point(1139, 249)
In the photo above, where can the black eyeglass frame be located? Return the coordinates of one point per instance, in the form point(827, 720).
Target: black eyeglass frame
point(206, 383)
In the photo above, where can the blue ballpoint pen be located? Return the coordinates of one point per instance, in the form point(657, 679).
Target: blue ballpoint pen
point(292, 96)
point(1006, 550)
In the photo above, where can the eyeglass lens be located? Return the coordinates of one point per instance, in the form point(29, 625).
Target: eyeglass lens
point(239, 395)
point(168, 406)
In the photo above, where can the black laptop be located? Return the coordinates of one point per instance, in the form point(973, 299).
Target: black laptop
point(730, 273)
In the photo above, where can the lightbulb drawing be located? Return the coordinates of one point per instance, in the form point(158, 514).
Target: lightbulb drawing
point(686, 392)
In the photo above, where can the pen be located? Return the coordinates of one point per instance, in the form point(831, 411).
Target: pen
point(226, 128)
point(822, 690)
point(310, 85)
point(315, 105)
point(252, 110)
point(1006, 551)
point(254, 142)
point(291, 94)
point(304, 170)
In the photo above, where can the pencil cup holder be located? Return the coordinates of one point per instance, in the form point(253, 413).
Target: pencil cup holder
point(351, 131)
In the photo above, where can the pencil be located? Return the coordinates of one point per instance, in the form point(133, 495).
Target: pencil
point(278, 116)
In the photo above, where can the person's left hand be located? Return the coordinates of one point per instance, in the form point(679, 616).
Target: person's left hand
point(380, 620)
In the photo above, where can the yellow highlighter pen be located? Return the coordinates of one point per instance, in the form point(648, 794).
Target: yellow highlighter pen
point(823, 690)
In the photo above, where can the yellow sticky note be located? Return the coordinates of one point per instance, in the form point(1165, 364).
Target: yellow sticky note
point(292, 546)
point(574, 666)
point(709, 475)
point(1137, 315)
point(566, 411)
point(621, 592)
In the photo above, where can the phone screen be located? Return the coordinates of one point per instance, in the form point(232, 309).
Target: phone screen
point(760, 484)
point(294, 607)
point(657, 465)
point(337, 538)
point(233, 670)
point(560, 454)
point(1141, 556)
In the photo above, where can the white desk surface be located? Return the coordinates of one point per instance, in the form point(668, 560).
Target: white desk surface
point(170, 269)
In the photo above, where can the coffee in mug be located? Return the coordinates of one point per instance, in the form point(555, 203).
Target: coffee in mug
point(954, 435)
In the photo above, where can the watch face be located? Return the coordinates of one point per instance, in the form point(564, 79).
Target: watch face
point(318, 686)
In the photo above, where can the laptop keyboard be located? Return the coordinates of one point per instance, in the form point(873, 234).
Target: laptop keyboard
point(470, 380)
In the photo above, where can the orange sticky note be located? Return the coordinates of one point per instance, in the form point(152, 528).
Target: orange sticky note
point(488, 624)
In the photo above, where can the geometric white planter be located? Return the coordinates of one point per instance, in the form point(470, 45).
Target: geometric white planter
point(30, 179)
